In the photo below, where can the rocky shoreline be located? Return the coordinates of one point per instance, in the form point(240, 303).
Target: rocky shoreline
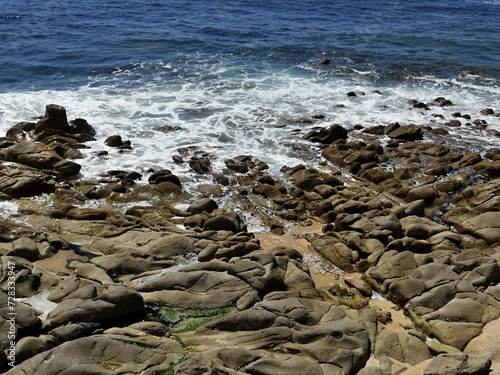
point(385, 261)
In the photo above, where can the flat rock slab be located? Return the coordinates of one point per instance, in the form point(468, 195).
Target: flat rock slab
point(104, 355)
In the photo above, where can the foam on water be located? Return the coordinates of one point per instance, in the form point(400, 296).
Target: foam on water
point(41, 303)
point(230, 111)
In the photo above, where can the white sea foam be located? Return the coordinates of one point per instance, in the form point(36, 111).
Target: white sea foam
point(41, 303)
point(228, 115)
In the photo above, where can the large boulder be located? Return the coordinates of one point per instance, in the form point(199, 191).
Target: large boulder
point(104, 354)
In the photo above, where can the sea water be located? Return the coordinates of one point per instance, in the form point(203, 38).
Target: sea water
point(244, 77)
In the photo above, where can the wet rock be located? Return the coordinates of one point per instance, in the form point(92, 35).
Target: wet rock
point(326, 135)
point(408, 132)
point(164, 176)
point(200, 164)
point(20, 130)
point(34, 154)
point(117, 141)
point(210, 189)
point(202, 205)
point(222, 222)
point(487, 112)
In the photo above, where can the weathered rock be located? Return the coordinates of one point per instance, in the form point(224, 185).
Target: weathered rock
point(194, 289)
point(117, 303)
point(103, 354)
point(485, 226)
point(401, 346)
point(451, 364)
point(314, 329)
point(202, 205)
point(326, 135)
point(408, 132)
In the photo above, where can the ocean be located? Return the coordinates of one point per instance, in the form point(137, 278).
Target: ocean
point(244, 77)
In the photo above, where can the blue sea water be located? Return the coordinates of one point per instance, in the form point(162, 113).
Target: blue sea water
point(237, 76)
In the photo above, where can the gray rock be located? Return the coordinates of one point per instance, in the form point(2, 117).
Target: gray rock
point(401, 346)
point(103, 355)
point(458, 364)
point(194, 289)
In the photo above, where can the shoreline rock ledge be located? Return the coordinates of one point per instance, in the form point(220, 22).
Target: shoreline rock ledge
point(385, 261)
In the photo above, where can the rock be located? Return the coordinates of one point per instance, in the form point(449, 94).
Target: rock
point(489, 168)
point(487, 112)
point(401, 346)
point(335, 251)
point(164, 176)
point(222, 222)
point(463, 364)
point(408, 132)
point(194, 289)
point(27, 322)
point(485, 226)
point(55, 118)
point(316, 330)
point(326, 135)
point(100, 354)
point(200, 164)
point(210, 189)
point(26, 248)
point(117, 141)
point(117, 303)
point(34, 154)
point(202, 205)
point(30, 346)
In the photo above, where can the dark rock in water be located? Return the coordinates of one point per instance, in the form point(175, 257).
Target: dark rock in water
point(202, 205)
point(124, 175)
point(487, 112)
point(222, 222)
point(326, 135)
point(377, 129)
point(66, 168)
point(353, 94)
point(55, 118)
point(443, 102)
point(81, 126)
point(178, 159)
point(200, 164)
point(164, 176)
point(168, 128)
point(19, 131)
point(454, 123)
point(408, 132)
point(324, 62)
point(117, 141)
point(420, 105)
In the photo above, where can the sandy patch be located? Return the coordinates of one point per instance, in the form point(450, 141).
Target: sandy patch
point(485, 342)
